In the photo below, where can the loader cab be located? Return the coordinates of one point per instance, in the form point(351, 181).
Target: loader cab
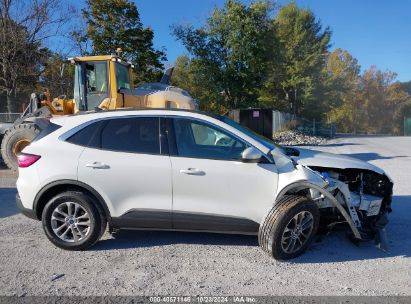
point(98, 79)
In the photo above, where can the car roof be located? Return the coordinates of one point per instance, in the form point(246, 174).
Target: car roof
point(82, 117)
point(134, 111)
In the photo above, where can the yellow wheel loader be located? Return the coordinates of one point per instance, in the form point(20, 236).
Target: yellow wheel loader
point(100, 83)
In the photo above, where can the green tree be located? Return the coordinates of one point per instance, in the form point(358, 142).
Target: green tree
point(113, 24)
point(188, 76)
point(382, 97)
point(231, 52)
point(58, 76)
point(304, 49)
point(341, 77)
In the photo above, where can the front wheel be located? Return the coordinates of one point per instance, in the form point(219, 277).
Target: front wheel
point(72, 221)
point(289, 228)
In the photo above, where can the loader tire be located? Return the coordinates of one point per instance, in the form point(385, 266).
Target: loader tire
point(15, 140)
point(289, 227)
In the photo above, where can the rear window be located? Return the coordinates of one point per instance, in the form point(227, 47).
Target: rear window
point(51, 127)
point(87, 136)
point(138, 135)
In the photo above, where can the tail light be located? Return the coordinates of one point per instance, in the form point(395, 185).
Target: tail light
point(26, 160)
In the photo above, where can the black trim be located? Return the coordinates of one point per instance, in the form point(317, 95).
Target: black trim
point(160, 219)
point(68, 183)
point(212, 222)
point(27, 212)
point(172, 145)
point(163, 219)
point(164, 141)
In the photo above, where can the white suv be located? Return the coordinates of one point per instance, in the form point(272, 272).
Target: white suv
point(182, 170)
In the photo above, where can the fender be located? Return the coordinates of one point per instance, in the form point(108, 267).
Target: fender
point(68, 183)
point(303, 184)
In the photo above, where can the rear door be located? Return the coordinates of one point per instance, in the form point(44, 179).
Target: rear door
point(127, 164)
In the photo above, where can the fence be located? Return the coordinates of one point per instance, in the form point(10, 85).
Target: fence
point(9, 117)
point(267, 122)
point(283, 121)
point(316, 128)
point(407, 126)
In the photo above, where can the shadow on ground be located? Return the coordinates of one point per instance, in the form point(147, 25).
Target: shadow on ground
point(8, 202)
point(372, 156)
point(335, 247)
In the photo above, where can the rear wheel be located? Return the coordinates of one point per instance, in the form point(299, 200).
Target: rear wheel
point(73, 221)
point(289, 228)
point(15, 140)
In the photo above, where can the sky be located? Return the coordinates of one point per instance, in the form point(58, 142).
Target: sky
point(376, 32)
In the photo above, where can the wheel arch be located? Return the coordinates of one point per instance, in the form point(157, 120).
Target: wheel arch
point(301, 185)
point(52, 189)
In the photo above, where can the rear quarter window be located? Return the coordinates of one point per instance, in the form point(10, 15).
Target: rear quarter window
point(51, 127)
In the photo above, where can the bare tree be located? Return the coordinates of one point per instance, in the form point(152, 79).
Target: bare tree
point(24, 28)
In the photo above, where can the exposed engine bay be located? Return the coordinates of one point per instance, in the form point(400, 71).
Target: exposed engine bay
point(365, 194)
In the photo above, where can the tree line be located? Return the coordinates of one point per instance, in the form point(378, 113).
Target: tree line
point(256, 55)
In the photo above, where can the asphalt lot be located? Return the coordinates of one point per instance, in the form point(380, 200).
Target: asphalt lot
point(174, 263)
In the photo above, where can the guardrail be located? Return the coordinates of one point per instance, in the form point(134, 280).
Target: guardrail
point(9, 117)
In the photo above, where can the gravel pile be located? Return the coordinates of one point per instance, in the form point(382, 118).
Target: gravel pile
point(296, 138)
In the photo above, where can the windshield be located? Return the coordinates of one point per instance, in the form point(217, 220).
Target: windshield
point(261, 139)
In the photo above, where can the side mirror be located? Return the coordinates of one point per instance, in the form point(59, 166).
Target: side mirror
point(251, 155)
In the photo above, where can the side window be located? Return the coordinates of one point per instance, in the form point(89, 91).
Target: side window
point(138, 135)
point(96, 83)
point(201, 140)
point(122, 77)
point(87, 136)
point(96, 78)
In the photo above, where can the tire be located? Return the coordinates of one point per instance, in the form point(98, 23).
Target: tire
point(85, 204)
point(15, 140)
point(287, 212)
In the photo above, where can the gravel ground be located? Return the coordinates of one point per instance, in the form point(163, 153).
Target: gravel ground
point(163, 263)
point(295, 138)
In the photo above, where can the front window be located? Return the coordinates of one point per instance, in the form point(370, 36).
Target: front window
point(261, 139)
point(200, 140)
point(123, 81)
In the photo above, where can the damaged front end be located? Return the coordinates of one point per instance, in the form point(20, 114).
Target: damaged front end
point(358, 196)
point(365, 194)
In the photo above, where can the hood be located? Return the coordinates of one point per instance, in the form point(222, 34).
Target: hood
point(323, 159)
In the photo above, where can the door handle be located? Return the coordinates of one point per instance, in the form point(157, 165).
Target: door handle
point(97, 165)
point(192, 171)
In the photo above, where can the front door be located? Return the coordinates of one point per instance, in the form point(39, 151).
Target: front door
point(213, 189)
